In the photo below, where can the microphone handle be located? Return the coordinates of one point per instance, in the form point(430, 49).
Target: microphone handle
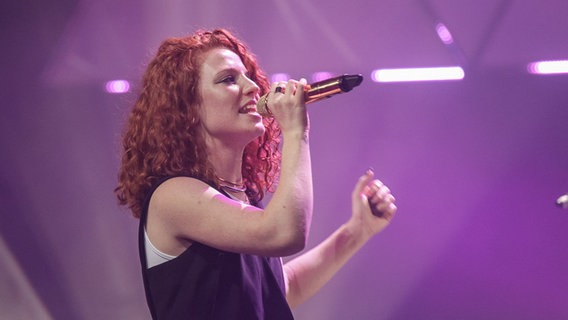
point(319, 90)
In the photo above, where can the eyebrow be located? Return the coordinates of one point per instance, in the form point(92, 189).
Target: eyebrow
point(233, 69)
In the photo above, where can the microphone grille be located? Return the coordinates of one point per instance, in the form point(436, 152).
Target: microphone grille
point(262, 106)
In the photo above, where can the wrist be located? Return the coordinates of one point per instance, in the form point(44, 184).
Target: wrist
point(356, 230)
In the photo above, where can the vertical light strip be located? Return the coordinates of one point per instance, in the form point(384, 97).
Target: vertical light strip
point(548, 67)
point(418, 74)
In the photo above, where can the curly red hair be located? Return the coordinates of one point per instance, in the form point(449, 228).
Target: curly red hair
point(163, 137)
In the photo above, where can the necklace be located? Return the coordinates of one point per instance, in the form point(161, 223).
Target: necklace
point(235, 187)
point(234, 197)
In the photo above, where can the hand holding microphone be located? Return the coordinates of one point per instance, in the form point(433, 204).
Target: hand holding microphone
point(316, 91)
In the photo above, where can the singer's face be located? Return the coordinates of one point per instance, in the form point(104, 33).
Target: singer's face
point(228, 110)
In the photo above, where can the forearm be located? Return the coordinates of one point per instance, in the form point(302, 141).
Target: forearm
point(372, 210)
point(292, 203)
point(306, 274)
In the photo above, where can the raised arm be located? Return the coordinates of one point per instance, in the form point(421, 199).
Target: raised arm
point(292, 203)
point(183, 210)
point(372, 210)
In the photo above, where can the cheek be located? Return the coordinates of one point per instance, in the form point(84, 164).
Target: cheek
point(209, 109)
point(211, 119)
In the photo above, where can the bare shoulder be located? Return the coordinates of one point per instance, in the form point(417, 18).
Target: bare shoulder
point(171, 210)
point(180, 184)
point(179, 193)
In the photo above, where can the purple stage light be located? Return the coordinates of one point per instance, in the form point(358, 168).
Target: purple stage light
point(319, 76)
point(444, 33)
point(418, 74)
point(279, 77)
point(548, 67)
point(117, 86)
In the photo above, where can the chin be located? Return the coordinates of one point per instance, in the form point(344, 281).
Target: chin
point(257, 134)
point(260, 129)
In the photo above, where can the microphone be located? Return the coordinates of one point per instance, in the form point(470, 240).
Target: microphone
point(562, 201)
point(318, 90)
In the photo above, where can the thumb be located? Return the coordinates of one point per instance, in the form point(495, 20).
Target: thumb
point(363, 182)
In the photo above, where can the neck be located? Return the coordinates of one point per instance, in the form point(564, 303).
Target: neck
point(227, 161)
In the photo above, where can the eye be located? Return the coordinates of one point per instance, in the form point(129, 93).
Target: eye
point(228, 80)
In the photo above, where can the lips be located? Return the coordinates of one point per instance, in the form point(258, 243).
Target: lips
point(248, 108)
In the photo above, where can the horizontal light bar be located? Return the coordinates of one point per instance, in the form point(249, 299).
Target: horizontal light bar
point(117, 86)
point(548, 67)
point(418, 74)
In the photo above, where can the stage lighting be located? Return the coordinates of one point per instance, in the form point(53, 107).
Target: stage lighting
point(279, 77)
point(418, 74)
point(548, 67)
point(117, 86)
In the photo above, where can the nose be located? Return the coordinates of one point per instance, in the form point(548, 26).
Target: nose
point(250, 87)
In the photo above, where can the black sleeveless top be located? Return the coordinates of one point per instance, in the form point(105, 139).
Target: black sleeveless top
point(207, 283)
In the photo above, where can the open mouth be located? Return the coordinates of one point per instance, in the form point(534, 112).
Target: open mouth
point(250, 108)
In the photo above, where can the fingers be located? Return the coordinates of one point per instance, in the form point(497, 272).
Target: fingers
point(271, 99)
point(297, 87)
point(290, 87)
point(286, 103)
point(380, 199)
point(278, 87)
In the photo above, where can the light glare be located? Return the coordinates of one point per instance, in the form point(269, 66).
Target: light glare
point(280, 77)
point(418, 74)
point(444, 33)
point(548, 67)
point(117, 86)
point(319, 76)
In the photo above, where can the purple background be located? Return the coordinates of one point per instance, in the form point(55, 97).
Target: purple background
point(476, 165)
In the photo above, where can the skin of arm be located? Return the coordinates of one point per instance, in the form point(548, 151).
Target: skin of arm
point(294, 195)
point(307, 273)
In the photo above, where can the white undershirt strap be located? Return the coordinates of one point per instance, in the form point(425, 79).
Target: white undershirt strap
point(154, 256)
